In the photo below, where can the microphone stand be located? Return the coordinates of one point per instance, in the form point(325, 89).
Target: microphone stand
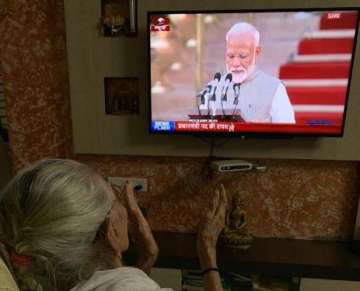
point(223, 98)
point(197, 103)
point(208, 105)
point(236, 98)
point(224, 90)
point(213, 101)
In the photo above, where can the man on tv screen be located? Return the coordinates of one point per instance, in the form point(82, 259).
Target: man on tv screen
point(245, 90)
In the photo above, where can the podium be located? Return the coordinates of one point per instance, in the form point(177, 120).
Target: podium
point(223, 118)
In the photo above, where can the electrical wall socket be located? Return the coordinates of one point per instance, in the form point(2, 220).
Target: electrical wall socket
point(140, 184)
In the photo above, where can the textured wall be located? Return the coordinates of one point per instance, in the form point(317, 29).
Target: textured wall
point(300, 199)
point(35, 77)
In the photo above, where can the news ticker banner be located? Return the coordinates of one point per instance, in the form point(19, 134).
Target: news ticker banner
point(241, 127)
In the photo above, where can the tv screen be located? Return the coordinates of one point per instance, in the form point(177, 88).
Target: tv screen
point(251, 72)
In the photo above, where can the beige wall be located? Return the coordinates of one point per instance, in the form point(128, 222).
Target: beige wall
point(92, 57)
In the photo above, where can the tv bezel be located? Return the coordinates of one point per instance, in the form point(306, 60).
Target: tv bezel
point(260, 134)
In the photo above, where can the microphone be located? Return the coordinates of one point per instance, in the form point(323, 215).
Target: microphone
point(202, 99)
point(217, 78)
point(202, 94)
point(236, 88)
point(228, 80)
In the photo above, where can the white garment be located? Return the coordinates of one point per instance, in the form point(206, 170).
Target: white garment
point(7, 282)
point(281, 109)
point(120, 279)
point(263, 98)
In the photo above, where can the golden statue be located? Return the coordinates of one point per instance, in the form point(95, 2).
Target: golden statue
point(235, 232)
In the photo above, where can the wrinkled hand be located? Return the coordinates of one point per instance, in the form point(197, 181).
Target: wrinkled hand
point(140, 232)
point(130, 201)
point(210, 228)
point(214, 220)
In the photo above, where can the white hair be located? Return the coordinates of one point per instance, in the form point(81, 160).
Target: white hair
point(244, 27)
point(52, 211)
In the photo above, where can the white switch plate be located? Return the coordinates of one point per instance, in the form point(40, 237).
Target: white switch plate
point(137, 182)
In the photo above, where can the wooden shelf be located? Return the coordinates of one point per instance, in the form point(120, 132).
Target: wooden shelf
point(266, 256)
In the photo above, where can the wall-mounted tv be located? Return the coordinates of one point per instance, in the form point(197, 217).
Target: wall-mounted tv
point(277, 72)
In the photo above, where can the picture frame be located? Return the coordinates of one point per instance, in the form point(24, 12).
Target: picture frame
point(121, 95)
point(118, 17)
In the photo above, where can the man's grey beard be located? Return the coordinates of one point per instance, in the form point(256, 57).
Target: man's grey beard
point(243, 74)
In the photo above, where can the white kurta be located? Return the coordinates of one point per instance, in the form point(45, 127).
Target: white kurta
point(120, 279)
point(263, 98)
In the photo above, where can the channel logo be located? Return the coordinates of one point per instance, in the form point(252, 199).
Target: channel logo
point(163, 126)
point(159, 23)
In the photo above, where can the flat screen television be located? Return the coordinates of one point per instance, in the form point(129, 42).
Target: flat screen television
point(273, 72)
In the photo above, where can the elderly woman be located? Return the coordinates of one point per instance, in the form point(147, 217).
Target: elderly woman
point(63, 227)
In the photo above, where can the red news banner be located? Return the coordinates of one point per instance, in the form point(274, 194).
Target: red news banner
point(216, 126)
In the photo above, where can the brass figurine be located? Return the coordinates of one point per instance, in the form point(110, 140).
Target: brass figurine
point(235, 233)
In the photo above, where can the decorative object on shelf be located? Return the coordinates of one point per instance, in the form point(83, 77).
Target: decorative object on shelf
point(118, 17)
point(121, 96)
point(283, 283)
point(235, 233)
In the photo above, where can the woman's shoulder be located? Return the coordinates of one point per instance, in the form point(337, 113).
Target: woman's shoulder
point(119, 279)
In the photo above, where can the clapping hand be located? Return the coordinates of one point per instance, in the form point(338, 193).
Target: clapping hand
point(140, 232)
point(210, 228)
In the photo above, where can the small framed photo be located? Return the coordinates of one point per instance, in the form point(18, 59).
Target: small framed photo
point(121, 96)
point(118, 17)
